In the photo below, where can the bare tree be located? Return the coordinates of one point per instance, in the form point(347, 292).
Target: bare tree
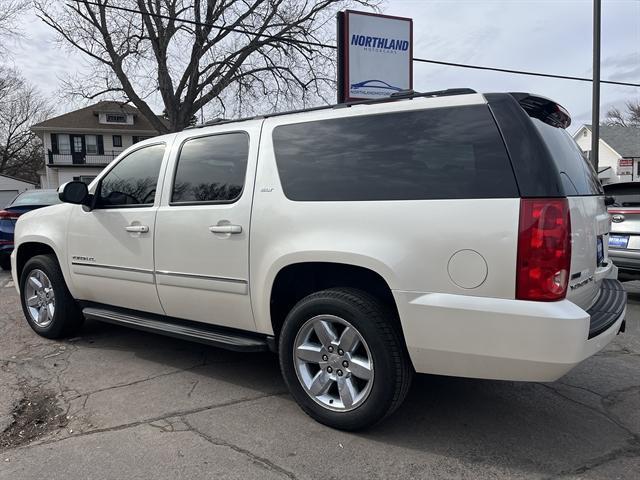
point(21, 106)
point(193, 52)
point(9, 12)
point(630, 118)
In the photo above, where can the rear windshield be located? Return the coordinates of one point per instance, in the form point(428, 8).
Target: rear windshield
point(624, 195)
point(578, 175)
point(36, 197)
point(441, 153)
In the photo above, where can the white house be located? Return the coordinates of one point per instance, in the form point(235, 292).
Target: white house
point(618, 153)
point(10, 187)
point(79, 144)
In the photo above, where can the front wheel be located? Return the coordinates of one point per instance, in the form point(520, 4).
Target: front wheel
point(343, 359)
point(46, 301)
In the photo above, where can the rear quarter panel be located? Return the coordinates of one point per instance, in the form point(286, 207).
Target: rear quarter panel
point(408, 243)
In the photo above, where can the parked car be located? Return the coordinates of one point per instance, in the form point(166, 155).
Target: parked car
point(451, 233)
point(624, 239)
point(22, 203)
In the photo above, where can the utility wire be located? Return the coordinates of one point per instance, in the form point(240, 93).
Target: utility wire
point(334, 47)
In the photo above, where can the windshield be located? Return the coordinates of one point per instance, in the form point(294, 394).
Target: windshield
point(36, 197)
point(578, 176)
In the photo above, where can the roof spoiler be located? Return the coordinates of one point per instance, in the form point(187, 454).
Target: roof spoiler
point(543, 109)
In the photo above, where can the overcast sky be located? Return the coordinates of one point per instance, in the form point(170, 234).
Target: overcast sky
point(551, 36)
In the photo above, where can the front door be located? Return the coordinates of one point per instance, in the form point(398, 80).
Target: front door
point(110, 248)
point(202, 229)
point(78, 149)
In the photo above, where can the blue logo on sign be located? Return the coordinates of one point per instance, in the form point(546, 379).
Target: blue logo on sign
point(380, 43)
point(377, 84)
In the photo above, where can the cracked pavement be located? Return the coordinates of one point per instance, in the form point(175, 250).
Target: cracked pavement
point(138, 405)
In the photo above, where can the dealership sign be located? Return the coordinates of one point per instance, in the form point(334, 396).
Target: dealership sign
point(374, 55)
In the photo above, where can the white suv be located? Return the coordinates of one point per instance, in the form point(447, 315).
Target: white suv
point(450, 233)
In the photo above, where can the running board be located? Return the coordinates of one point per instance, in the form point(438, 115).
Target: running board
point(185, 330)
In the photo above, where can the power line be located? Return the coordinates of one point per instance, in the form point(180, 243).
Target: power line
point(334, 47)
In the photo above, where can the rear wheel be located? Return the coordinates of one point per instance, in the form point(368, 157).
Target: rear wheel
point(5, 262)
point(343, 358)
point(47, 303)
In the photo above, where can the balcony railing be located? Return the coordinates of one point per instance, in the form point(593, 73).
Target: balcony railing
point(81, 158)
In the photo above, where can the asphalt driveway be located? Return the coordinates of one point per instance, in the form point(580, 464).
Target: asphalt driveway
point(115, 403)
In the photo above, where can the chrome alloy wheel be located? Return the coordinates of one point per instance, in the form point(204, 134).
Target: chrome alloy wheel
point(39, 298)
point(333, 363)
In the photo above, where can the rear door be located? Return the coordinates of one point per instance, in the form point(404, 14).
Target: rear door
point(202, 227)
point(590, 223)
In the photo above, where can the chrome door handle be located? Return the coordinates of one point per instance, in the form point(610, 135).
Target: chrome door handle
point(225, 229)
point(137, 228)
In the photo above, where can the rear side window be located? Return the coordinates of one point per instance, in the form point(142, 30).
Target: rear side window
point(577, 174)
point(211, 169)
point(428, 154)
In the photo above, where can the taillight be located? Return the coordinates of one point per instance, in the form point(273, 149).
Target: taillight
point(544, 249)
point(4, 215)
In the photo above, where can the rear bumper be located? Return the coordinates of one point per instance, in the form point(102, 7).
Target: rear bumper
point(624, 259)
point(498, 338)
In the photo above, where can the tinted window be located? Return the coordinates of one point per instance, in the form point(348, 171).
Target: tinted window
point(578, 175)
point(133, 180)
point(427, 154)
point(36, 197)
point(211, 169)
point(624, 194)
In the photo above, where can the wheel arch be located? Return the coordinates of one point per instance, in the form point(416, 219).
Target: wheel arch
point(36, 246)
point(294, 281)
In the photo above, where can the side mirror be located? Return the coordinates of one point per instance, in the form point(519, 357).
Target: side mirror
point(74, 192)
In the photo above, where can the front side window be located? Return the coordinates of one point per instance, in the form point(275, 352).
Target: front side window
point(440, 153)
point(211, 169)
point(92, 144)
point(133, 181)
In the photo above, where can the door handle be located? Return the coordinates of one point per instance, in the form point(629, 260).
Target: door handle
point(225, 229)
point(137, 228)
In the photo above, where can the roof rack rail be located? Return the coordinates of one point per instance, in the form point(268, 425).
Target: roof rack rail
point(401, 95)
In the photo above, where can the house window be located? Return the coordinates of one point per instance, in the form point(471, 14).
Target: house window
point(139, 139)
point(117, 141)
point(77, 144)
point(92, 144)
point(116, 118)
point(64, 147)
point(84, 178)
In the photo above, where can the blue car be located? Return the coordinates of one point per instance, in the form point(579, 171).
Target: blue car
point(377, 84)
point(23, 203)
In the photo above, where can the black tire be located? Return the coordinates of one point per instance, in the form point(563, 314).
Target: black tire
point(380, 329)
point(5, 262)
point(67, 317)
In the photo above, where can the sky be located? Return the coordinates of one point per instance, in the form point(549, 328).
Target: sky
point(552, 36)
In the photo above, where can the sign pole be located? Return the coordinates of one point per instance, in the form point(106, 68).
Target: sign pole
point(595, 102)
point(341, 47)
